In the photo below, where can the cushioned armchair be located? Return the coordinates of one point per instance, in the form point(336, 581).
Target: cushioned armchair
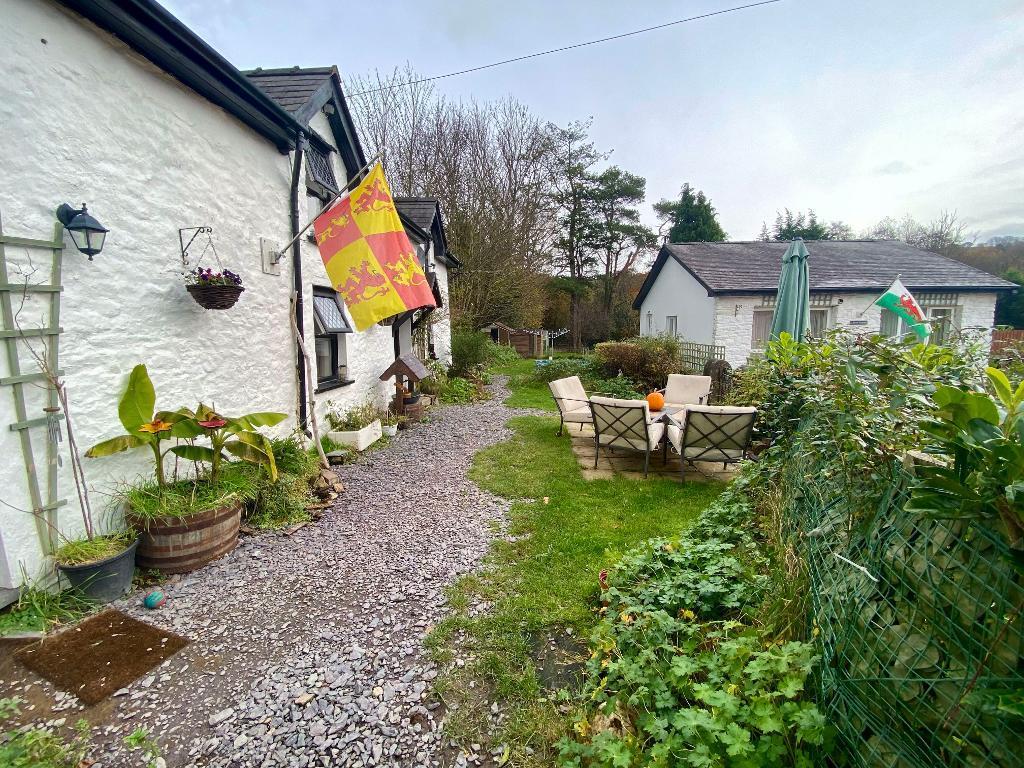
point(624, 424)
point(712, 433)
point(683, 389)
point(572, 401)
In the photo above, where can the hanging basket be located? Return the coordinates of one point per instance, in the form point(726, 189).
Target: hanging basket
point(215, 296)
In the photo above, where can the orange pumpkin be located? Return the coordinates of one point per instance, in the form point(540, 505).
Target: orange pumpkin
point(656, 401)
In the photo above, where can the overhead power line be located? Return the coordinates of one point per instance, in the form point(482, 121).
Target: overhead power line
point(567, 47)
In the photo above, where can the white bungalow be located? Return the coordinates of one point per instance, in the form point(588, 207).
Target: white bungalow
point(722, 295)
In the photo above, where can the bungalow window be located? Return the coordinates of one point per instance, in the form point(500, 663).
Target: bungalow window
point(940, 319)
point(762, 328)
point(819, 323)
point(671, 325)
point(331, 348)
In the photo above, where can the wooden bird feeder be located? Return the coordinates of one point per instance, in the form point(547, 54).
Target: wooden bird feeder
point(408, 370)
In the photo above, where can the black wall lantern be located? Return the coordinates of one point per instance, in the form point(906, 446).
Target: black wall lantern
point(87, 233)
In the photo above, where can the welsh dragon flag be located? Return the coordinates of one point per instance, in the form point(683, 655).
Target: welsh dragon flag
point(900, 302)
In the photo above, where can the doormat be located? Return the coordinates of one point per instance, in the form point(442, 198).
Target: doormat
point(100, 655)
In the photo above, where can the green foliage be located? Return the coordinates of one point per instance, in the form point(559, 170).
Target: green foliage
point(675, 678)
point(353, 419)
point(855, 404)
point(984, 435)
point(81, 551)
point(751, 383)
point(592, 375)
point(457, 390)
point(472, 351)
point(140, 740)
point(284, 502)
point(790, 225)
point(647, 360)
point(39, 610)
point(692, 216)
point(186, 498)
point(236, 435)
point(39, 747)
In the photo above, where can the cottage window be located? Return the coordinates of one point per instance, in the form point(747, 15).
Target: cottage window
point(671, 325)
point(331, 348)
point(762, 328)
point(318, 163)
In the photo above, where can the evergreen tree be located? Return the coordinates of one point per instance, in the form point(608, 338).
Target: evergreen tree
point(691, 218)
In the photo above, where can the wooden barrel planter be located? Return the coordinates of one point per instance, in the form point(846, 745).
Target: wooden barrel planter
point(180, 545)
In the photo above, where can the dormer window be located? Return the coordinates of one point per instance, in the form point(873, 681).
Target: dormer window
point(318, 166)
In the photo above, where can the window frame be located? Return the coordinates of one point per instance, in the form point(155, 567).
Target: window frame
point(335, 337)
point(671, 325)
point(762, 343)
point(827, 312)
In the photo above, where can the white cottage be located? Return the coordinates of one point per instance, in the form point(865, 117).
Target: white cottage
point(120, 106)
point(723, 294)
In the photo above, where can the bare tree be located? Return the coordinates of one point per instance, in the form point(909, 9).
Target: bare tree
point(489, 166)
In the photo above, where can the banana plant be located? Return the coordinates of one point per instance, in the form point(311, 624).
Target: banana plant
point(144, 425)
point(236, 435)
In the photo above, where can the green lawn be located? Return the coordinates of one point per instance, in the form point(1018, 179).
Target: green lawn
point(526, 393)
point(545, 581)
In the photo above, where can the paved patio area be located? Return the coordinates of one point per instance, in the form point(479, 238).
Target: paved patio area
point(618, 462)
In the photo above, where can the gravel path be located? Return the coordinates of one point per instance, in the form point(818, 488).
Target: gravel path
point(307, 650)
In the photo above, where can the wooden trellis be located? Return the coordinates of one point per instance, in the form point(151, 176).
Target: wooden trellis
point(44, 509)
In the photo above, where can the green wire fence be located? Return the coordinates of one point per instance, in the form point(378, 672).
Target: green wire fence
point(920, 629)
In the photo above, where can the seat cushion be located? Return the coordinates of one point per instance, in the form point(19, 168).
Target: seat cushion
point(683, 389)
point(578, 416)
point(569, 394)
point(654, 435)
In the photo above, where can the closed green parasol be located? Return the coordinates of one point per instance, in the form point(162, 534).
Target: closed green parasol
point(793, 304)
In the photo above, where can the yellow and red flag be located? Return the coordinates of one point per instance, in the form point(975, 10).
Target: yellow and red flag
point(368, 256)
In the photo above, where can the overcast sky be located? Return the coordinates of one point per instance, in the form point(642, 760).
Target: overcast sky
point(856, 109)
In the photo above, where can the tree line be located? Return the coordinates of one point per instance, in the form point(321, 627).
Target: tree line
point(548, 231)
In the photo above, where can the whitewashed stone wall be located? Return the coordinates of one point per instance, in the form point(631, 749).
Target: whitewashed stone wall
point(734, 318)
point(86, 119)
point(442, 325)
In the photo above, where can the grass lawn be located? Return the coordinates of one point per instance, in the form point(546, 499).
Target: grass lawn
point(544, 582)
point(526, 393)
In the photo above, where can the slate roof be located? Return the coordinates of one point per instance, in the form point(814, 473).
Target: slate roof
point(420, 210)
point(291, 87)
point(834, 265)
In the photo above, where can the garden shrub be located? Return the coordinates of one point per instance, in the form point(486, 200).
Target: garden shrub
point(647, 360)
point(460, 391)
point(591, 374)
point(474, 350)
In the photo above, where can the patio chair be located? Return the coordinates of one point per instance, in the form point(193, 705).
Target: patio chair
point(572, 401)
point(683, 389)
point(624, 424)
point(711, 433)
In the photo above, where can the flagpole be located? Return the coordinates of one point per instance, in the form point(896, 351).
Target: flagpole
point(356, 177)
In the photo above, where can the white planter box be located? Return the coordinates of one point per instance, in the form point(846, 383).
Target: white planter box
point(360, 439)
point(390, 429)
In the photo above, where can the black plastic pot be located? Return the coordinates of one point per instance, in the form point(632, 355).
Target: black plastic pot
point(410, 399)
point(103, 581)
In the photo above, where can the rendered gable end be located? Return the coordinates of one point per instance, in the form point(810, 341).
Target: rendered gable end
point(675, 292)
